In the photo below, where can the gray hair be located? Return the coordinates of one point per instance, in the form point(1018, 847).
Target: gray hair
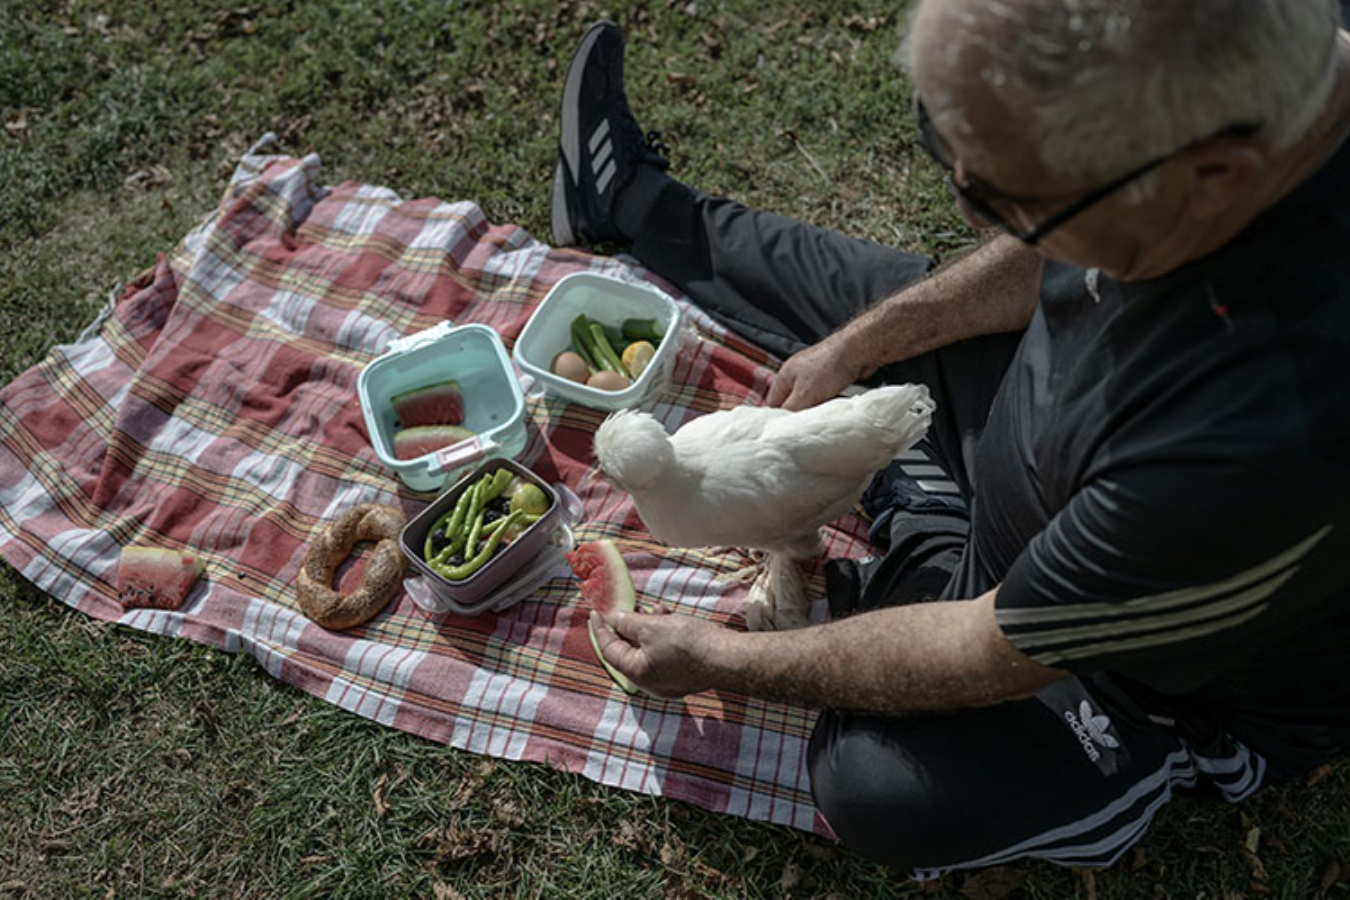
point(1114, 83)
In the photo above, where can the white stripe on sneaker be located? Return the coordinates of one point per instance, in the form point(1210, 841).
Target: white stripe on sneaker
point(598, 134)
point(605, 177)
point(598, 161)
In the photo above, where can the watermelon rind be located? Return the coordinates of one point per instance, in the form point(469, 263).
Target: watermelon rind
point(620, 679)
point(156, 577)
point(601, 567)
point(441, 403)
point(410, 443)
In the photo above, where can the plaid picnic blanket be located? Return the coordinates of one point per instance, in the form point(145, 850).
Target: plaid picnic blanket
point(214, 407)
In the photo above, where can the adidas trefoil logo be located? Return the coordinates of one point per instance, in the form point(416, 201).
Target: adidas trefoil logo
point(1091, 730)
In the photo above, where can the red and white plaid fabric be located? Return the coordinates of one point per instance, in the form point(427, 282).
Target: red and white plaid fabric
point(215, 408)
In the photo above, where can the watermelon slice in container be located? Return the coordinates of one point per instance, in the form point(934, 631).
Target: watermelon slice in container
point(155, 577)
point(607, 586)
point(410, 443)
point(435, 404)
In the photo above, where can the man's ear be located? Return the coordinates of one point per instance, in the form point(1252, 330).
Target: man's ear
point(1222, 173)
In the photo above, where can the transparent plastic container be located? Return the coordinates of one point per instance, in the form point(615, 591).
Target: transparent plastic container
point(494, 404)
point(513, 573)
point(607, 300)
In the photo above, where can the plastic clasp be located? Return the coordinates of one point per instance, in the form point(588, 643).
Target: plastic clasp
point(534, 391)
point(461, 454)
point(571, 512)
point(419, 338)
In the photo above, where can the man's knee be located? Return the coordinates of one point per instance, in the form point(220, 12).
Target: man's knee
point(880, 795)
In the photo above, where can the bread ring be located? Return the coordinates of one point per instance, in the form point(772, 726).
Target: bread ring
point(383, 574)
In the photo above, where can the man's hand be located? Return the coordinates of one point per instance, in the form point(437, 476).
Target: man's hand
point(665, 654)
point(992, 290)
point(943, 655)
point(816, 374)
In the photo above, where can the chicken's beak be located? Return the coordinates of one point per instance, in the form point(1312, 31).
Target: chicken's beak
point(596, 474)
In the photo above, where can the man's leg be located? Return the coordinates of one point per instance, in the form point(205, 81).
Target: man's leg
point(1071, 776)
point(779, 282)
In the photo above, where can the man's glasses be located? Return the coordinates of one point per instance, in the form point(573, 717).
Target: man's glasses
point(981, 199)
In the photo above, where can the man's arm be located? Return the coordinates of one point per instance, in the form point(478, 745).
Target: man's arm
point(994, 289)
point(933, 656)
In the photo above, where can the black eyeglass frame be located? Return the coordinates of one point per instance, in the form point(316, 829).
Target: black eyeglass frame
point(980, 197)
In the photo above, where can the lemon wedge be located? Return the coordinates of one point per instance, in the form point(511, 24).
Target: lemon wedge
point(636, 357)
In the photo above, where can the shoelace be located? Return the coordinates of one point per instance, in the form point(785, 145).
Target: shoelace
point(658, 151)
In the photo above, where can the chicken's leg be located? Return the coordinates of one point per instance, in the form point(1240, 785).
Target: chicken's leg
point(777, 599)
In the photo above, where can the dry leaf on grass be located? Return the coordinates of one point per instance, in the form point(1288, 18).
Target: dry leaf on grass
point(1317, 775)
point(1333, 873)
point(708, 873)
point(442, 891)
point(1088, 878)
point(155, 176)
point(859, 23)
point(381, 804)
point(508, 813)
point(791, 877)
point(458, 844)
point(993, 884)
point(626, 835)
point(1250, 845)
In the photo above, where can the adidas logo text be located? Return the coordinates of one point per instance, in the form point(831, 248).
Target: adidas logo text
point(1091, 730)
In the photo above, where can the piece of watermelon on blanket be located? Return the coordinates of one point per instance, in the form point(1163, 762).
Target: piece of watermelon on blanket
point(155, 577)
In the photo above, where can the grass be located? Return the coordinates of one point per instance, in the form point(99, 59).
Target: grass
point(137, 766)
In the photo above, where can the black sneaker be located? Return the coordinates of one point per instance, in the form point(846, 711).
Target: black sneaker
point(601, 145)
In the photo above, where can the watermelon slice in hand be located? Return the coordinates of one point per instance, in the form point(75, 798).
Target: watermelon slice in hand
point(607, 586)
point(411, 443)
point(435, 404)
point(155, 577)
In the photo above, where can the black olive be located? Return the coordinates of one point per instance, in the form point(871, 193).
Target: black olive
point(438, 541)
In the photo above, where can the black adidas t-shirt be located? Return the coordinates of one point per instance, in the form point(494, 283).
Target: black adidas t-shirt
point(1164, 481)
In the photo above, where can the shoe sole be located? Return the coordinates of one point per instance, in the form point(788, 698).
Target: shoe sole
point(569, 141)
point(562, 222)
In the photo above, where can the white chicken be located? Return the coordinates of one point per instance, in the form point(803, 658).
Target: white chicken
point(761, 478)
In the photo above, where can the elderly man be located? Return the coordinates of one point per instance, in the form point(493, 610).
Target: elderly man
point(1134, 547)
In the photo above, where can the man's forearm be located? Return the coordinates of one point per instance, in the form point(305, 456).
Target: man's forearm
point(992, 290)
point(924, 657)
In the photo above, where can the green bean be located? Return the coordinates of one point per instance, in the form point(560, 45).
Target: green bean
point(581, 343)
point(474, 530)
point(475, 510)
point(451, 521)
point(524, 522)
point(604, 352)
point(460, 572)
point(500, 479)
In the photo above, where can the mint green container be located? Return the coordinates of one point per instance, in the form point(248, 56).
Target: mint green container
point(494, 405)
